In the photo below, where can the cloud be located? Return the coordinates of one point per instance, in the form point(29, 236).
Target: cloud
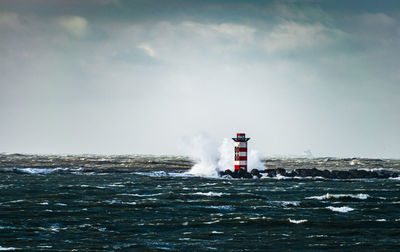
point(295, 70)
point(147, 49)
point(377, 19)
point(237, 32)
point(9, 19)
point(74, 25)
point(292, 35)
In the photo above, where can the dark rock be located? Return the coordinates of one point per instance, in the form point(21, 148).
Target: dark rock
point(281, 171)
point(247, 175)
point(291, 174)
point(326, 174)
point(226, 172)
point(256, 173)
point(302, 172)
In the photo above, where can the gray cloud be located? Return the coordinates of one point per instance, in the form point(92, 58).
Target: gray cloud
point(133, 77)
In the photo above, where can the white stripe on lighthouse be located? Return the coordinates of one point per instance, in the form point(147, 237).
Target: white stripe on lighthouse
point(240, 162)
point(241, 144)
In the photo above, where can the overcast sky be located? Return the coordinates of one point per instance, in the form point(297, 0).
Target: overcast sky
point(134, 77)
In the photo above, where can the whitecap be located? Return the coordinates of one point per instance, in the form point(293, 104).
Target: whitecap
point(16, 201)
point(141, 195)
point(221, 207)
point(6, 227)
point(53, 228)
point(279, 177)
point(7, 248)
point(290, 203)
point(211, 222)
point(36, 170)
point(153, 174)
point(210, 194)
point(297, 221)
point(361, 196)
point(216, 232)
point(381, 220)
point(112, 202)
point(116, 185)
point(85, 225)
point(343, 209)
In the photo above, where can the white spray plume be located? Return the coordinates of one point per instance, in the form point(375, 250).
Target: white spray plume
point(210, 159)
point(226, 154)
point(254, 160)
point(202, 149)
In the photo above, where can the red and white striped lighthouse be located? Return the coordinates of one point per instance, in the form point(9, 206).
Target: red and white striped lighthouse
point(241, 151)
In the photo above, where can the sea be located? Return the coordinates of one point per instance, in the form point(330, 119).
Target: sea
point(64, 209)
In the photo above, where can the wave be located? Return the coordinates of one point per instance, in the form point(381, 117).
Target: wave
point(36, 170)
point(164, 174)
point(227, 208)
point(210, 194)
point(140, 195)
point(282, 177)
point(39, 171)
point(297, 221)
point(361, 196)
point(343, 209)
point(211, 222)
point(7, 248)
point(290, 203)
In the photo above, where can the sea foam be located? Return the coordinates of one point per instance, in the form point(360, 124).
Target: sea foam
point(297, 221)
point(7, 248)
point(343, 209)
point(360, 196)
point(210, 194)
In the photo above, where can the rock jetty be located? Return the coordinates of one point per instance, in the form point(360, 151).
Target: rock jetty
point(328, 174)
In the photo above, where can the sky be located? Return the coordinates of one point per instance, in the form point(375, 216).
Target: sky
point(135, 77)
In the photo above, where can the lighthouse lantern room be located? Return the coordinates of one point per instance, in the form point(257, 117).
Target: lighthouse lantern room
point(241, 151)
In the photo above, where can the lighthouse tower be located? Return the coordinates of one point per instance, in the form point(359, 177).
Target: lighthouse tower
point(240, 151)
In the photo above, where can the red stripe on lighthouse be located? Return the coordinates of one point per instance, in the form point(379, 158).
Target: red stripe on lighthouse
point(241, 149)
point(237, 167)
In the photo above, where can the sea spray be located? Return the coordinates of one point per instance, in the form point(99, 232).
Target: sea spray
point(210, 159)
point(203, 150)
point(226, 153)
point(254, 160)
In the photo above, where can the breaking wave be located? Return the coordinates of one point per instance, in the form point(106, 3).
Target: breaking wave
point(343, 209)
point(360, 196)
point(210, 194)
point(297, 221)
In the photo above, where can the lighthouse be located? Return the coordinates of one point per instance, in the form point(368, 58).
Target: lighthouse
point(240, 152)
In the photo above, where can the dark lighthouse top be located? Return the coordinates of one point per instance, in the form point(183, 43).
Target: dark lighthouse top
point(240, 137)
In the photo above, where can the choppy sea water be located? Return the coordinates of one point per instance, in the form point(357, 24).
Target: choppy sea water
point(63, 210)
